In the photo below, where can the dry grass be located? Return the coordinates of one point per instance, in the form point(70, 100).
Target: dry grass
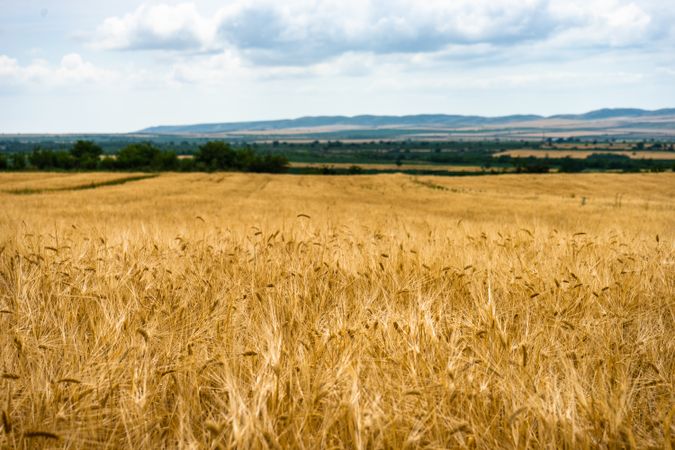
point(54, 180)
point(257, 311)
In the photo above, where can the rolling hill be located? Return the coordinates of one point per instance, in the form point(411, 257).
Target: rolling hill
point(621, 122)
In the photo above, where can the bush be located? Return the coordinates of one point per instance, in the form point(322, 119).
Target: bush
point(217, 155)
point(533, 168)
point(140, 156)
point(185, 165)
point(48, 159)
point(86, 154)
point(327, 170)
point(166, 161)
point(108, 163)
point(571, 165)
point(268, 163)
point(18, 161)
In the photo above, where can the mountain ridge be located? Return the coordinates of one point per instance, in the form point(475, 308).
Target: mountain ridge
point(417, 121)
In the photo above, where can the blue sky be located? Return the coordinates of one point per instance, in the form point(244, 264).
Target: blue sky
point(83, 66)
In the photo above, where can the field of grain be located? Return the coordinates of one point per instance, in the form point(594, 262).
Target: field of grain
point(582, 154)
point(279, 311)
point(54, 181)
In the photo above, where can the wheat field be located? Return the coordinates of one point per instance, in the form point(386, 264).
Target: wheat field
point(275, 311)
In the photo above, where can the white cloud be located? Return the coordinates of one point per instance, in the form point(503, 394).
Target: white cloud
point(609, 23)
point(8, 67)
point(523, 79)
point(213, 69)
point(72, 70)
point(305, 32)
point(156, 27)
point(398, 41)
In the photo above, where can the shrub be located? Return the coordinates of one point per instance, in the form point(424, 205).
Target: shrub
point(48, 159)
point(217, 155)
point(268, 163)
point(18, 161)
point(140, 156)
point(86, 154)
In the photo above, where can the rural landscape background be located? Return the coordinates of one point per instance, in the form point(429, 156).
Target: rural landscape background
point(358, 225)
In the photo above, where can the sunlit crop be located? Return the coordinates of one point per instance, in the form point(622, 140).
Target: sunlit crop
point(268, 311)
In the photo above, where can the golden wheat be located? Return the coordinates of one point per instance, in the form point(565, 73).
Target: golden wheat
point(257, 311)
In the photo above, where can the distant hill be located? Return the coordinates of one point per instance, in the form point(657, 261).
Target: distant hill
point(365, 121)
point(616, 122)
point(609, 113)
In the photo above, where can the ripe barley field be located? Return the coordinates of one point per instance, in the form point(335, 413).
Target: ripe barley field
point(259, 311)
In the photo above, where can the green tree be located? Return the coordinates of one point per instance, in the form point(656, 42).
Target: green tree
point(166, 161)
point(571, 165)
point(217, 155)
point(268, 163)
point(18, 161)
point(143, 156)
point(108, 163)
point(139, 156)
point(86, 154)
point(43, 159)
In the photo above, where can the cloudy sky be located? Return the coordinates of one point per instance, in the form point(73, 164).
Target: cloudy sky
point(85, 66)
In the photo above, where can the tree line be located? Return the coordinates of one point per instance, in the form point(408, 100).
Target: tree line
point(597, 162)
point(268, 157)
point(145, 156)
